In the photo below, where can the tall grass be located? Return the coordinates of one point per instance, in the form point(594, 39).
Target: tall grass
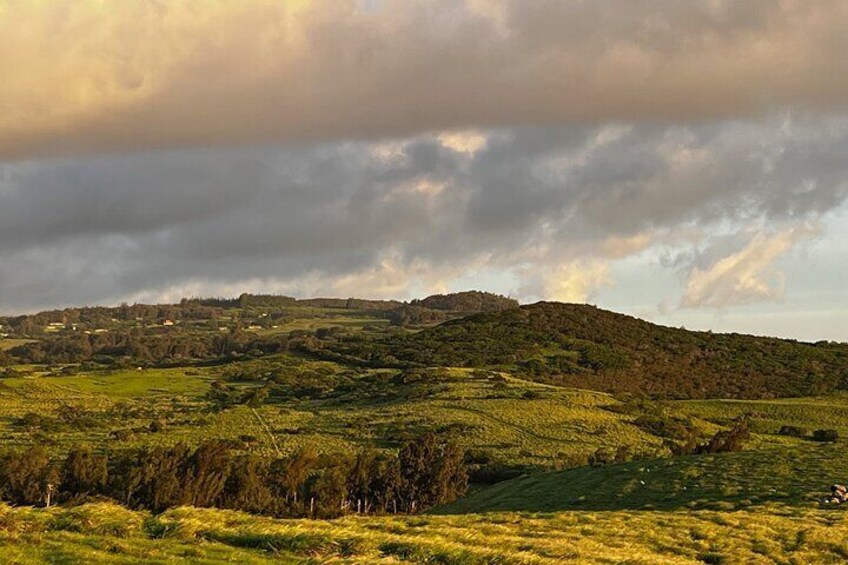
point(91, 533)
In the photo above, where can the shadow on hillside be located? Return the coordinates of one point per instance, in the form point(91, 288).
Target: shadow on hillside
point(792, 476)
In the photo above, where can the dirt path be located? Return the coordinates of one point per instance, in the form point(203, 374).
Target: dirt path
point(267, 431)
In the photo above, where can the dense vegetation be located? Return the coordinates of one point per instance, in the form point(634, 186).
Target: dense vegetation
point(213, 329)
point(424, 473)
point(560, 344)
point(583, 346)
point(467, 302)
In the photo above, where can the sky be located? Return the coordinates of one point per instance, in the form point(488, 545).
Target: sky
point(684, 162)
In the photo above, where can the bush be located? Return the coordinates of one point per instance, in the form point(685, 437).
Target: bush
point(494, 473)
point(792, 431)
point(726, 441)
point(826, 435)
point(479, 457)
point(601, 457)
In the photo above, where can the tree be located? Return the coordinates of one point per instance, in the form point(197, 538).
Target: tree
point(84, 473)
point(288, 476)
point(247, 486)
point(432, 471)
point(329, 489)
point(26, 478)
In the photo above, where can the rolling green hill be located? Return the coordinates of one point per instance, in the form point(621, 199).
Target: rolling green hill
point(504, 420)
point(791, 475)
point(583, 346)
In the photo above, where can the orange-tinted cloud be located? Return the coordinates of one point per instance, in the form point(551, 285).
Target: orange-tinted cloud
point(86, 76)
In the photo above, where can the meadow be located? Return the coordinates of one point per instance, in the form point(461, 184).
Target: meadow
point(547, 428)
point(651, 510)
point(106, 533)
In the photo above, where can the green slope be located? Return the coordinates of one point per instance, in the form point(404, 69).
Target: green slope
point(796, 475)
point(583, 346)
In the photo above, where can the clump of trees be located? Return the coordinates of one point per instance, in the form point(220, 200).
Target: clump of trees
point(416, 315)
point(441, 307)
point(426, 472)
point(469, 301)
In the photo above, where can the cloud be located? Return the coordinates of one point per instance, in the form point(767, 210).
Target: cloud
point(577, 281)
point(86, 76)
point(411, 215)
point(747, 275)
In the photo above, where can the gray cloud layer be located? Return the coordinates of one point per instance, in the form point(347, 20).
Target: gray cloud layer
point(84, 77)
point(378, 218)
point(150, 150)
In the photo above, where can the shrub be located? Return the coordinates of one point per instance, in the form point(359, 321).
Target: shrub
point(34, 421)
point(601, 457)
point(826, 435)
point(726, 441)
point(478, 457)
point(494, 473)
point(664, 426)
point(792, 431)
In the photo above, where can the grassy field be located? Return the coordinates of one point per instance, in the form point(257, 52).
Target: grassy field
point(129, 383)
point(756, 506)
point(767, 416)
point(554, 428)
point(7, 344)
point(106, 533)
point(310, 319)
point(794, 475)
point(515, 422)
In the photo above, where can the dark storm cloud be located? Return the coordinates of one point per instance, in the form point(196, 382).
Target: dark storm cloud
point(207, 221)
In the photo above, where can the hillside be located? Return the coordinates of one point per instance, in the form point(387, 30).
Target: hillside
point(583, 346)
point(329, 392)
point(788, 475)
point(560, 344)
point(505, 422)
